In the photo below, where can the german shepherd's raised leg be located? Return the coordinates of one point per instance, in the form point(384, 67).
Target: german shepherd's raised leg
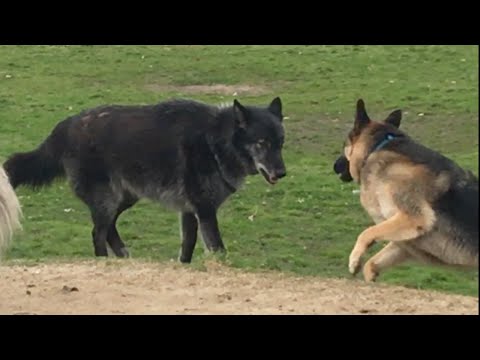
point(400, 227)
point(396, 253)
point(390, 255)
point(189, 227)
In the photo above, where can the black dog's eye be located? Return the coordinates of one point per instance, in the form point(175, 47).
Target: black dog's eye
point(263, 142)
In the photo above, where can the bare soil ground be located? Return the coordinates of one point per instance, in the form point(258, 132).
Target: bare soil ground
point(218, 89)
point(132, 287)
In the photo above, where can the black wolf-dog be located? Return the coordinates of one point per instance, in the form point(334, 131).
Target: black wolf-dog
point(188, 155)
point(423, 203)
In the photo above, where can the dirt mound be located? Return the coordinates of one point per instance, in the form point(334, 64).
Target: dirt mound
point(131, 287)
point(217, 89)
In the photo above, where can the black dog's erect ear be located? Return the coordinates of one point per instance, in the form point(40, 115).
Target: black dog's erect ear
point(361, 116)
point(394, 118)
point(240, 114)
point(275, 107)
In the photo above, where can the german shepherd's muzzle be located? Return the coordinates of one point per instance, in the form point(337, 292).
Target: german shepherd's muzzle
point(342, 167)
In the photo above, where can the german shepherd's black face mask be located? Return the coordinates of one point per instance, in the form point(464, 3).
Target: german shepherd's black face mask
point(361, 123)
point(261, 137)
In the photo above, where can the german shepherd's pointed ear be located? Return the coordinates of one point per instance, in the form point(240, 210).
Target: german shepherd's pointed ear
point(275, 107)
point(240, 114)
point(361, 116)
point(394, 118)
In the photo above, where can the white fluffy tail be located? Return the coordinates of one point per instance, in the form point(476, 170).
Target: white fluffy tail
point(10, 211)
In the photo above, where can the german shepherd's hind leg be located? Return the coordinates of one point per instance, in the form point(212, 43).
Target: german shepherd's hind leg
point(207, 218)
point(113, 238)
point(399, 227)
point(189, 229)
point(391, 255)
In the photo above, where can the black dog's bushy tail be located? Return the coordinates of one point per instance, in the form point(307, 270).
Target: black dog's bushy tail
point(41, 166)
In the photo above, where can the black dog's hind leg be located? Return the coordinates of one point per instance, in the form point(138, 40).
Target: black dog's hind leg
point(207, 216)
point(102, 221)
point(113, 238)
point(103, 204)
point(189, 225)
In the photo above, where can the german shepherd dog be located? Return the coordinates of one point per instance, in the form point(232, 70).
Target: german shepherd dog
point(10, 211)
point(185, 154)
point(423, 203)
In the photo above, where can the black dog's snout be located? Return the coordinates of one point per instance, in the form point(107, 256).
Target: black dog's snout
point(340, 165)
point(280, 173)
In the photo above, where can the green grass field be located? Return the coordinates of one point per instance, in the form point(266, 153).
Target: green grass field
point(309, 221)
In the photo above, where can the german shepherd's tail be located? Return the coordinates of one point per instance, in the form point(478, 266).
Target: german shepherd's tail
point(41, 166)
point(10, 211)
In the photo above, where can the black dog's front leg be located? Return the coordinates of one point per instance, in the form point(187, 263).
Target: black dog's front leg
point(189, 226)
point(207, 217)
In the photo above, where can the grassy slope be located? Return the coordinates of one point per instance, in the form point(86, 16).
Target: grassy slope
point(307, 223)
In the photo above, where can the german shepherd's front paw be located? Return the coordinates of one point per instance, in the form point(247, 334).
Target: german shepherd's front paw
point(354, 264)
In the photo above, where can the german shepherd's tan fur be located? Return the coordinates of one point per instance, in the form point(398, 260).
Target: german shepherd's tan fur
point(422, 203)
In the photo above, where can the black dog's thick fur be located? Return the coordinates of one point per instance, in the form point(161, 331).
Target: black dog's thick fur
point(185, 154)
point(42, 165)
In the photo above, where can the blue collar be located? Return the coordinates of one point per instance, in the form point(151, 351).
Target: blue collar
point(389, 137)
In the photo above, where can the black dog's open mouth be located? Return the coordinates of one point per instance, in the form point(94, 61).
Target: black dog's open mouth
point(270, 180)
